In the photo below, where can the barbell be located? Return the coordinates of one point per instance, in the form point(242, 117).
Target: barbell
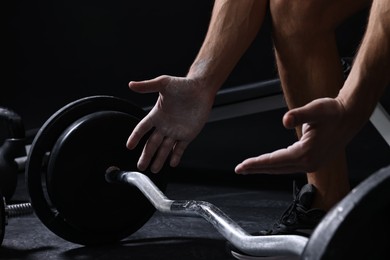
point(11, 211)
point(13, 146)
point(78, 173)
point(357, 228)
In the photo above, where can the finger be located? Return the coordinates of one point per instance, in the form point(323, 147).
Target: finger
point(276, 169)
point(162, 154)
point(280, 161)
point(289, 120)
point(299, 116)
point(149, 86)
point(138, 132)
point(177, 153)
point(149, 150)
point(288, 169)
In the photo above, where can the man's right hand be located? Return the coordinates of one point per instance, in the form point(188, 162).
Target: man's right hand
point(181, 110)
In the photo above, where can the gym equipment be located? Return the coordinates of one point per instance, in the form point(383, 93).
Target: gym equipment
point(70, 165)
point(358, 227)
point(66, 166)
point(13, 147)
point(11, 211)
point(338, 236)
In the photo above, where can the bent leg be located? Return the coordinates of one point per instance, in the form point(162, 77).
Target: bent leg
point(309, 68)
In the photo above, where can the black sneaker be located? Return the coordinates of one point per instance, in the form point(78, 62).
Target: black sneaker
point(298, 219)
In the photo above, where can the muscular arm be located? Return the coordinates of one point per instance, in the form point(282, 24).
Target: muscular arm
point(329, 124)
point(184, 103)
point(371, 70)
point(233, 26)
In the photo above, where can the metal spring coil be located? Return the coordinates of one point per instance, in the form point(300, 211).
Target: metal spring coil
point(19, 209)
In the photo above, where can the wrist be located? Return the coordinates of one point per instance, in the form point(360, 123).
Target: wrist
point(357, 107)
point(205, 76)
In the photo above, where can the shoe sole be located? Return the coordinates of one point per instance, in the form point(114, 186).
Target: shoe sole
point(240, 256)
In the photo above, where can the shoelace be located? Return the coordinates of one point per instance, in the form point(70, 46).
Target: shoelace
point(289, 216)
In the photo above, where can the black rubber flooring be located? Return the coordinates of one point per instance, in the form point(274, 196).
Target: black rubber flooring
point(163, 236)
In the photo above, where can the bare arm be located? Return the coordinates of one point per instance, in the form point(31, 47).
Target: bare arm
point(370, 73)
point(233, 26)
point(184, 103)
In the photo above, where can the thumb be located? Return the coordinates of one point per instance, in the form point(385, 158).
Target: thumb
point(148, 86)
point(299, 116)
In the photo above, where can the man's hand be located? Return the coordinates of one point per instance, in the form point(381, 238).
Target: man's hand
point(179, 114)
point(325, 132)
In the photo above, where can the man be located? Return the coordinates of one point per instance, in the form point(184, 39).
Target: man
point(309, 69)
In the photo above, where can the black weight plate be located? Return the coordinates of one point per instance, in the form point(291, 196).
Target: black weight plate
point(358, 227)
point(76, 178)
point(41, 149)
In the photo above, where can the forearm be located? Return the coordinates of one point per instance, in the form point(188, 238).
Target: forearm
point(370, 73)
point(233, 26)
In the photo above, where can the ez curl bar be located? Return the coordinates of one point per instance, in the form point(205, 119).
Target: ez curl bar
point(270, 245)
point(330, 240)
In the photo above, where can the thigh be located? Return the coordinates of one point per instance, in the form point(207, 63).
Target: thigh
point(327, 13)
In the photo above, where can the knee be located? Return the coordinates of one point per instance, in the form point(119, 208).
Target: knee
point(299, 17)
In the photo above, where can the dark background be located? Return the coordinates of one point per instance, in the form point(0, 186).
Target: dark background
point(58, 51)
point(55, 52)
